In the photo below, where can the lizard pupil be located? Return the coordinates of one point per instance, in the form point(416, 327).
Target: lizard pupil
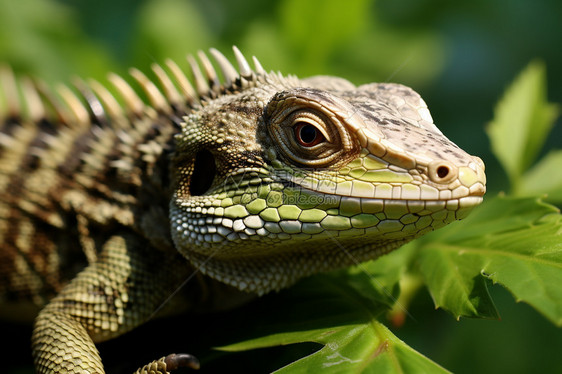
point(307, 135)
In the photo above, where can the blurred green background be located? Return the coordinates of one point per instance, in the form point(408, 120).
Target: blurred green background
point(459, 55)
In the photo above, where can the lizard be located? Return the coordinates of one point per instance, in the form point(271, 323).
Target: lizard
point(235, 183)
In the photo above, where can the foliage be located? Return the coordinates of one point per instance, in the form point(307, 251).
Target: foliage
point(522, 124)
point(353, 337)
point(513, 241)
point(523, 119)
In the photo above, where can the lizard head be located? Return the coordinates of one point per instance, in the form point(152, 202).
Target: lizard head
point(278, 178)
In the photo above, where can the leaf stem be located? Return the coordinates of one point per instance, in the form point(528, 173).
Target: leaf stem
point(410, 284)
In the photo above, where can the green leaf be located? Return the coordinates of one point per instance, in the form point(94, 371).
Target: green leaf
point(522, 120)
point(516, 242)
point(339, 312)
point(454, 286)
point(544, 178)
point(384, 275)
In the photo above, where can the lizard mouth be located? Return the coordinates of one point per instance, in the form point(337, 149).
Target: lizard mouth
point(477, 189)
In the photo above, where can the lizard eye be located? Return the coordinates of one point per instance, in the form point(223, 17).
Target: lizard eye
point(308, 127)
point(307, 134)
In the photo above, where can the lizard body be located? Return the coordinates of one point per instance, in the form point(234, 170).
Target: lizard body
point(257, 180)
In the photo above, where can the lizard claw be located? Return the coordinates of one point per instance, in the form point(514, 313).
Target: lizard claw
point(174, 361)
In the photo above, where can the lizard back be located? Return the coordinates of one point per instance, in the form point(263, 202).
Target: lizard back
point(75, 165)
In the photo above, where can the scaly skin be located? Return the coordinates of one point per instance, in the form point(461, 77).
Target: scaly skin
point(257, 182)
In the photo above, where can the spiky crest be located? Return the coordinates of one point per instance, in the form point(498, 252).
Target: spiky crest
point(85, 103)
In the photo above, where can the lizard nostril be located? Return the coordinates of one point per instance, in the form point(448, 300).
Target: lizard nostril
point(442, 171)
